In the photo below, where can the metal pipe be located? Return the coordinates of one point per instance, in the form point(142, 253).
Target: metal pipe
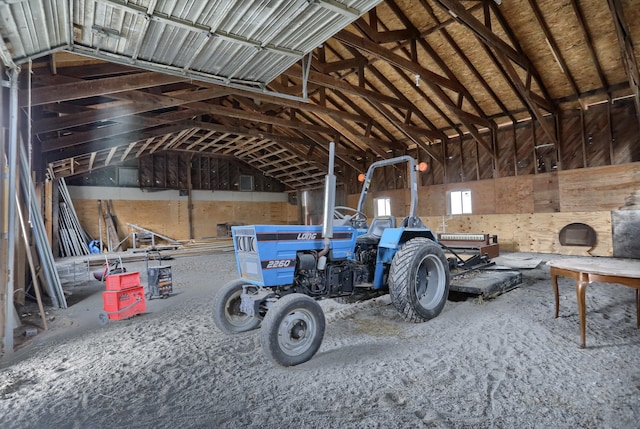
point(11, 203)
point(329, 202)
point(4, 215)
point(413, 180)
point(42, 242)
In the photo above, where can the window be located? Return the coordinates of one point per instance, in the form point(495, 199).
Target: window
point(383, 206)
point(460, 202)
point(128, 177)
point(246, 183)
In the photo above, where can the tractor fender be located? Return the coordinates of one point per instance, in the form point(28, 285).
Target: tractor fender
point(390, 242)
point(394, 238)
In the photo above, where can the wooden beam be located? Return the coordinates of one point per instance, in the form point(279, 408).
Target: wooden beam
point(557, 53)
point(626, 51)
point(433, 80)
point(412, 132)
point(108, 143)
point(465, 59)
point(362, 44)
point(336, 66)
point(505, 51)
point(339, 85)
point(152, 102)
point(91, 88)
point(129, 124)
point(589, 42)
point(525, 92)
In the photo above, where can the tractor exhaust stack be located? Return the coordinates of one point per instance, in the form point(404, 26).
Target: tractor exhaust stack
point(329, 207)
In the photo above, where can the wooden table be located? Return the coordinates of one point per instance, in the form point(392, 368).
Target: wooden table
point(603, 270)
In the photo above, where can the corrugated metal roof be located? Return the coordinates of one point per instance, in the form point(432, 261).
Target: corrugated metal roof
point(244, 42)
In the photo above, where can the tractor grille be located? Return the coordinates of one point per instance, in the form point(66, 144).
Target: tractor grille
point(248, 260)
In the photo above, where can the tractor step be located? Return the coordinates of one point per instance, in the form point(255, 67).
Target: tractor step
point(364, 286)
point(488, 283)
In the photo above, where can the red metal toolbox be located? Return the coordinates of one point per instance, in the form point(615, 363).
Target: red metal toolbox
point(122, 304)
point(121, 281)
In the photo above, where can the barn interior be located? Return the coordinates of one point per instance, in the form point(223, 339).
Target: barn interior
point(130, 121)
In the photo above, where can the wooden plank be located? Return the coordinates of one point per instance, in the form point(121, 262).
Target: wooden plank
point(48, 211)
point(625, 130)
point(597, 136)
point(571, 147)
point(112, 233)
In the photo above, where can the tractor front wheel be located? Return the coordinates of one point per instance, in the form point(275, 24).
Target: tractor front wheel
point(226, 310)
point(292, 330)
point(419, 280)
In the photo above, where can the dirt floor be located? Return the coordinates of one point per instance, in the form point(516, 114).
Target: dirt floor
point(504, 362)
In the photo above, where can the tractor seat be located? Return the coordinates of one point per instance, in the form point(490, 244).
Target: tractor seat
point(378, 224)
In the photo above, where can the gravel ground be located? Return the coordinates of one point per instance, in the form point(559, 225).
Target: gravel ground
point(504, 362)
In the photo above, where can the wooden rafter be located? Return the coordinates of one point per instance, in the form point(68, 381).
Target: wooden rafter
point(508, 56)
point(435, 82)
point(626, 51)
point(465, 59)
point(589, 43)
point(95, 87)
point(557, 53)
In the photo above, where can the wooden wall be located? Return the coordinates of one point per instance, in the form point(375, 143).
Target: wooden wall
point(527, 212)
point(170, 216)
point(605, 134)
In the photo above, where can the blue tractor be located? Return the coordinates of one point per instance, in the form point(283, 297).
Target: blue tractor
point(284, 270)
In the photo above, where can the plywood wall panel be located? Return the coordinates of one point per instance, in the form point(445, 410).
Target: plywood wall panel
point(432, 200)
point(483, 196)
point(546, 195)
point(598, 188)
point(514, 194)
point(171, 218)
point(533, 232)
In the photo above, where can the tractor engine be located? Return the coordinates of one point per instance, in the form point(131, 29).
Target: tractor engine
point(366, 255)
point(339, 278)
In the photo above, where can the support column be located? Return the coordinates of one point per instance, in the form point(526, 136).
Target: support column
point(12, 158)
point(4, 199)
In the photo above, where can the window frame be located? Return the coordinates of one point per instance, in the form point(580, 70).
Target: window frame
point(465, 205)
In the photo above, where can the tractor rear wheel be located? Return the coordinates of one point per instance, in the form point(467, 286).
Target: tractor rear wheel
point(226, 310)
point(292, 330)
point(419, 280)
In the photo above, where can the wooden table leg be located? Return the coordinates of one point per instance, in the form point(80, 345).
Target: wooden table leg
point(581, 291)
point(638, 307)
point(554, 282)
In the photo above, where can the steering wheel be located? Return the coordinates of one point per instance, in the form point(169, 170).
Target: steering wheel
point(357, 217)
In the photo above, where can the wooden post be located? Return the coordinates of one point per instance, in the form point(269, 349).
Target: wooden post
point(55, 212)
point(584, 143)
point(4, 215)
point(610, 125)
point(190, 199)
point(48, 211)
